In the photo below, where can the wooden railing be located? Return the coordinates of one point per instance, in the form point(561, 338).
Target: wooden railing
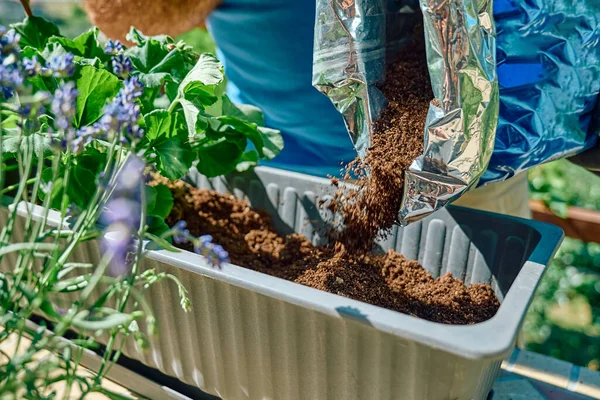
point(580, 223)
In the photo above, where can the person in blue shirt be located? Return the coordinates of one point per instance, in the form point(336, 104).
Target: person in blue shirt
point(266, 47)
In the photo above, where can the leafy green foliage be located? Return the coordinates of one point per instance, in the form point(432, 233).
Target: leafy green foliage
point(187, 118)
point(561, 184)
point(564, 318)
point(95, 87)
point(35, 32)
point(161, 201)
point(80, 186)
point(13, 142)
point(219, 129)
point(44, 154)
point(167, 139)
point(86, 45)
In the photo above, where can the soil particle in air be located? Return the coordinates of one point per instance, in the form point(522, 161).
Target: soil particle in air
point(396, 141)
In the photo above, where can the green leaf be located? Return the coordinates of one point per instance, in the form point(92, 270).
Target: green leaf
point(158, 243)
point(154, 57)
point(77, 49)
point(245, 112)
point(248, 160)
point(157, 225)
point(53, 50)
point(92, 160)
point(162, 125)
point(167, 138)
point(139, 38)
point(154, 80)
point(175, 158)
point(13, 142)
point(85, 45)
point(199, 94)
point(220, 157)
point(164, 201)
point(268, 142)
point(272, 142)
point(136, 36)
point(35, 32)
point(95, 88)
point(151, 196)
point(81, 186)
point(247, 129)
point(208, 70)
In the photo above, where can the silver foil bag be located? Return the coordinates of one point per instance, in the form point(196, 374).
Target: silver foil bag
point(541, 112)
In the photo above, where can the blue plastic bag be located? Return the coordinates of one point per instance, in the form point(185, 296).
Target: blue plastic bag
point(548, 66)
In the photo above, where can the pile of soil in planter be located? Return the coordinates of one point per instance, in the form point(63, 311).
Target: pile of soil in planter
point(387, 280)
point(396, 141)
point(347, 267)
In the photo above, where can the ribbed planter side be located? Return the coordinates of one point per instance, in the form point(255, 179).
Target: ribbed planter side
point(252, 336)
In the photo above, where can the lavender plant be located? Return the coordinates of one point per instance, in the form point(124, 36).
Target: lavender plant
point(81, 124)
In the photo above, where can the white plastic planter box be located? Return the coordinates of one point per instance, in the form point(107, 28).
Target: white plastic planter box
point(253, 336)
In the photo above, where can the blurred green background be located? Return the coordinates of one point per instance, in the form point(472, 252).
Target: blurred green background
point(564, 319)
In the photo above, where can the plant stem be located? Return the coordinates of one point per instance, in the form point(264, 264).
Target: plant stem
point(27, 7)
point(173, 104)
point(16, 186)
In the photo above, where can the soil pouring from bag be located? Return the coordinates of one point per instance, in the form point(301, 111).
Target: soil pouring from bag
point(347, 267)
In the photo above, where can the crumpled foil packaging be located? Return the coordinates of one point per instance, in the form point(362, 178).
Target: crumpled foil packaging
point(516, 82)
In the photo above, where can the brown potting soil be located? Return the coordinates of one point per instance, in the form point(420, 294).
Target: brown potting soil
point(387, 280)
point(396, 141)
point(347, 267)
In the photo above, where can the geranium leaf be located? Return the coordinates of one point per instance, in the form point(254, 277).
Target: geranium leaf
point(208, 72)
point(248, 160)
point(35, 32)
point(164, 202)
point(161, 125)
point(96, 87)
point(175, 158)
point(219, 157)
point(85, 45)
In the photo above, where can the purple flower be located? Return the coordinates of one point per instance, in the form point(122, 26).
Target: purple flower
point(118, 242)
point(63, 105)
point(113, 47)
point(62, 66)
point(10, 80)
point(132, 90)
point(9, 43)
point(122, 114)
point(34, 107)
point(122, 215)
point(32, 67)
point(215, 254)
point(122, 209)
point(83, 137)
point(122, 66)
point(181, 234)
point(73, 211)
point(130, 178)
